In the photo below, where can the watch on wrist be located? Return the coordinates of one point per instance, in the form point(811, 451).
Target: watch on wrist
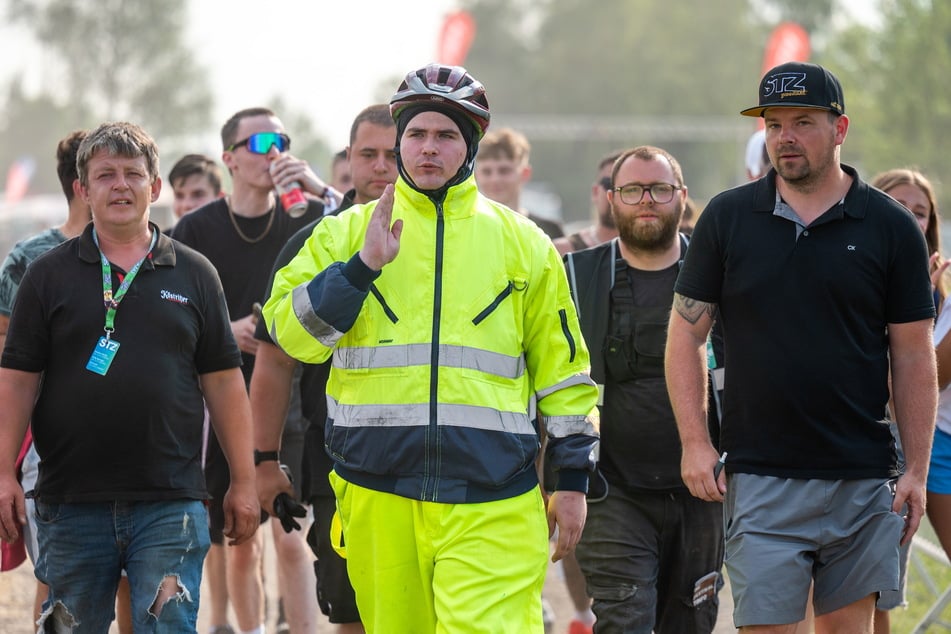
point(264, 456)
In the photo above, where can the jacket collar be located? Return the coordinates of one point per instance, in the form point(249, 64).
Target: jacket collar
point(459, 202)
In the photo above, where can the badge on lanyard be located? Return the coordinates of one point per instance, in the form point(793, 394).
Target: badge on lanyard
point(106, 348)
point(102, 355)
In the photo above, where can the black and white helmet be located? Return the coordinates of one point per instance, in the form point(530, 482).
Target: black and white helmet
point(451, 87)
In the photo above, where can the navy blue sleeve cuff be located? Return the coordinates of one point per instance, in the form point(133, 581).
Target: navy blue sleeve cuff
point(572, 480)
point(358, 273)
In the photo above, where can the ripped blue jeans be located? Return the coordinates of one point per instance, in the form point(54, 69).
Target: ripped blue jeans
point(83, 549)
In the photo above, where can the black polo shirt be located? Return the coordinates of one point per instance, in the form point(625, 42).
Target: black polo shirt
point(804, 318)
point(243, 266)
point(135, 433)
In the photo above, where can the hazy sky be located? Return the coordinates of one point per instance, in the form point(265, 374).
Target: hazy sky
point(325, 57)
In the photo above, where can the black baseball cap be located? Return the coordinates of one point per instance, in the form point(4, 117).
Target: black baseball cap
point(798, 85)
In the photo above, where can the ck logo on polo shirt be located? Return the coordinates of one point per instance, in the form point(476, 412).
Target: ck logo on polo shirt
point(850, 247)
point(174, 297)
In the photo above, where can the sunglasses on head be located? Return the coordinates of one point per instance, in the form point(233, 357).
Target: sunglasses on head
point(261, 142)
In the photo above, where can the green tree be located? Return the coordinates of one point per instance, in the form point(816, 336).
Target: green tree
point(32, 127)
point(122, 60)
point(626, 72)
point(108, 60)
point(895, 82)
point(502, 50)
point(812, 15)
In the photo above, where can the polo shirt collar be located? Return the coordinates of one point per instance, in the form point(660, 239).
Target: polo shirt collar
point(854, 206)
point(162, 255)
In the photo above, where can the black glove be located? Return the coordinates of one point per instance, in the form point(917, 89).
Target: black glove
point(286, 509)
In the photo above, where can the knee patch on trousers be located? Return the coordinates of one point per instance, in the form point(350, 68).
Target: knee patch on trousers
point(613, 592)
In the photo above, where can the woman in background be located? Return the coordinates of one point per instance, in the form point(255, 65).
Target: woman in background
point(913, 190)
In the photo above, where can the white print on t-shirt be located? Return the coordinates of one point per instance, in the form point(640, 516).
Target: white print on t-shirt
point(174, 297)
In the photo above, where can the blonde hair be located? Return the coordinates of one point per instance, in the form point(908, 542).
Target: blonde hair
point(505, 143)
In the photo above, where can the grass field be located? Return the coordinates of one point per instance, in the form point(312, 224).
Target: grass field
point(927, 579)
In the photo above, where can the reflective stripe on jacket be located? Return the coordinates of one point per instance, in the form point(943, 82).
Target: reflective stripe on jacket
point(436, 360)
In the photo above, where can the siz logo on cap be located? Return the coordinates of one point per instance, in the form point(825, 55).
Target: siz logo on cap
point(785, 85)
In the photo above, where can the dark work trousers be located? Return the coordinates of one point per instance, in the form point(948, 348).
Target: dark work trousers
point(642, 554)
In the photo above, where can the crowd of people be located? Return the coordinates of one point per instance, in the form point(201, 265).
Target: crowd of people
point(432, 393)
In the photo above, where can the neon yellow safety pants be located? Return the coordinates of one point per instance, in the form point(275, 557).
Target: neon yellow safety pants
point(424, 567)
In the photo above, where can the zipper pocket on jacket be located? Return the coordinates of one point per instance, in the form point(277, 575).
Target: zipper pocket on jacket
point(386, 308)
point(563, 315)
point(495, 304)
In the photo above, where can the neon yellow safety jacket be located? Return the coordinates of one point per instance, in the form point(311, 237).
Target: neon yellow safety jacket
point(437, 358)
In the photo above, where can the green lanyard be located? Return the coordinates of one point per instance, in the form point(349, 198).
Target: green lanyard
point(112, 302)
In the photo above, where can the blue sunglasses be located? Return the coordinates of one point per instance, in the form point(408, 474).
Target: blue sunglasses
point(261, 142)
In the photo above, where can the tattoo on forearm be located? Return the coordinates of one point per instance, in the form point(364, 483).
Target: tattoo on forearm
point(692, 310)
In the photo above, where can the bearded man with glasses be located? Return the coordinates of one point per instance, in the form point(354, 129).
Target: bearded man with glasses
point(650, 552)
point(242, 235)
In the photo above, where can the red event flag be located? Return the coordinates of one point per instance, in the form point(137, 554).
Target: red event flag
point(788, 42)
point(455, 38)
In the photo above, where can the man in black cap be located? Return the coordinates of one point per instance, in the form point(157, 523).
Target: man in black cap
point(821, 285)
point(446, 315)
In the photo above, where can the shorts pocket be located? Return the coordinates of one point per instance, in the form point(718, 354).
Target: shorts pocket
point(47, 513)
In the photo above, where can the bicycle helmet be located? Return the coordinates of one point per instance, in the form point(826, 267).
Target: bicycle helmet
point(449, 90)
point(444, 88)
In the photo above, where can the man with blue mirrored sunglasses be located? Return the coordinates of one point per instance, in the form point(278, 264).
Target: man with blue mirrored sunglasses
point(242, 235)
point(262, 142)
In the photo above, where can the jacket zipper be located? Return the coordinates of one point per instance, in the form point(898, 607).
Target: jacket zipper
point(495, 304)
point(386, 308)
point(432, 441)
point(563, 316)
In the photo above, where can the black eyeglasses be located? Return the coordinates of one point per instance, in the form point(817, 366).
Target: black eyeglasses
point(261, 142)
point(632, 193)
point(605, 183)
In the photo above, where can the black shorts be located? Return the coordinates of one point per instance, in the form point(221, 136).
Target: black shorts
point(334, 592)
point(217, 479)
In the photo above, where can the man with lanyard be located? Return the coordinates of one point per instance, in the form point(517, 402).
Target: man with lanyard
point(118, 417)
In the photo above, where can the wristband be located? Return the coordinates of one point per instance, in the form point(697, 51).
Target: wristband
point(264, 456)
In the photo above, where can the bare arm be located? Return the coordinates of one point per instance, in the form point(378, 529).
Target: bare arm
point(685, 363)
point(4, 324)
point(230, 413)
point(270, 396)
point(943, 354)
point(18, 392)
point(915, 394)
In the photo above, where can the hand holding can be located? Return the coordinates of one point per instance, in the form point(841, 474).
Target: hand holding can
point(292, 197)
